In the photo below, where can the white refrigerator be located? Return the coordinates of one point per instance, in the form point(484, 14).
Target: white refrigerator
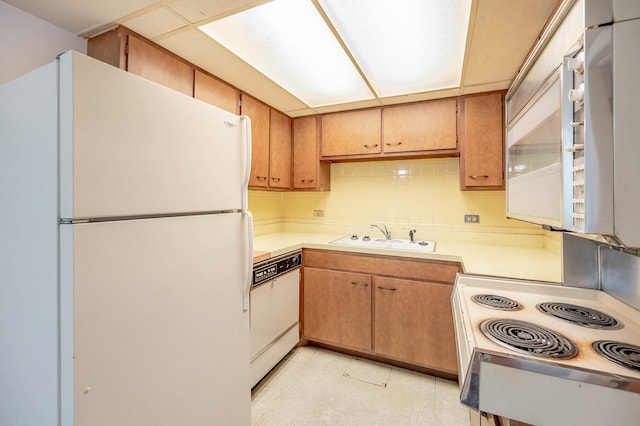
point(125, 252)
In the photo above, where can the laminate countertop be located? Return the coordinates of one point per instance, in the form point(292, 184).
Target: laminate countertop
point(529, 263)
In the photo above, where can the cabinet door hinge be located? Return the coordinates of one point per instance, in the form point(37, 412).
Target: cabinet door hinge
point(126, 49)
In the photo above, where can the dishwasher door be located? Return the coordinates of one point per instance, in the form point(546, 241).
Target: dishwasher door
point(275, 316)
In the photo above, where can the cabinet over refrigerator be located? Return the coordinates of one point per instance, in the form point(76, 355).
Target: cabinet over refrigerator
point(126, 252)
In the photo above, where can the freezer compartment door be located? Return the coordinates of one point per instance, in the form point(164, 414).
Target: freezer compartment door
point(131, 147)
point(159, 335)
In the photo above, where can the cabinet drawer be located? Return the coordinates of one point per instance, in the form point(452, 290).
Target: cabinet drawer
point(417, 269)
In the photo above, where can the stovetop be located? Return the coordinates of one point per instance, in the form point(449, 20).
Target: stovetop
point(555, 363)
point(547, 307)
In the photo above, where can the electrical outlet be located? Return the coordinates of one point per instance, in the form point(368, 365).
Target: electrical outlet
point(318, 213)
point(471, 218)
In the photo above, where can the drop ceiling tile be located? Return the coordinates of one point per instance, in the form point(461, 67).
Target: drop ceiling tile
point(79, 17)
point(503, 33)
point(196, 47)
point(205, 10)
point(154, 23)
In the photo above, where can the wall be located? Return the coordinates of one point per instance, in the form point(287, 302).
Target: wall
point(408, 194)
point(27, 42)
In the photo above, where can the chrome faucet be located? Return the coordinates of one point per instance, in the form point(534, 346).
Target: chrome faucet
point(384, 231)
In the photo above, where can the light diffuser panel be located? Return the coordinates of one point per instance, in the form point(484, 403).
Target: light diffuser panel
point(404, 46)
point(289, 42)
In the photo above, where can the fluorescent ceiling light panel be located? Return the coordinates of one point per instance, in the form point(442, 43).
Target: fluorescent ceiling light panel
point(404, 46)
point(289, 42)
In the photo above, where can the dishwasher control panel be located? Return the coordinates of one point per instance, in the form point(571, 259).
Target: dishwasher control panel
point(276, 266)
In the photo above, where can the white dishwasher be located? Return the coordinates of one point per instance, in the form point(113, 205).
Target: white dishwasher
point(275, 312)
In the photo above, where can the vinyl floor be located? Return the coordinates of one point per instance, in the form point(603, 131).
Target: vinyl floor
point(313, 386)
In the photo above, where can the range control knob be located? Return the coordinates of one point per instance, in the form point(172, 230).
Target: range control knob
point(577, 94)
point(576, 63)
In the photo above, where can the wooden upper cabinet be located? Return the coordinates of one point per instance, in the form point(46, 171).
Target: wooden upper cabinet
point(129, 51)
point(146, 60)
point(351, 133)
point(258, 112)
point(216, 92)
point(424, 126)
point(309, 173)
point(279, 151)
point(481, 128)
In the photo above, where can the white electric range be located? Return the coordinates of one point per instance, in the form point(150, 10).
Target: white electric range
point(525, 371)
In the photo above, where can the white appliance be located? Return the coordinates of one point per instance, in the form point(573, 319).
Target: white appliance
point(529, 373)
point(126, 252)
point(275, 312)
point(571, 148)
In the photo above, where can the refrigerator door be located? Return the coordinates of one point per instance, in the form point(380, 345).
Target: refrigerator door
point(153, 330)
point(130, 147)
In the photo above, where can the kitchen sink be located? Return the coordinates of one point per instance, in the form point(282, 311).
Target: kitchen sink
point(423, 246)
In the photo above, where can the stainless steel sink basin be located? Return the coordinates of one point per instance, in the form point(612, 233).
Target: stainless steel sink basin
point(423, 246)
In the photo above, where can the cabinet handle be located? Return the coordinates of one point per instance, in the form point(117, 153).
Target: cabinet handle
point(387, 288)
point(357, 283)
point(275, 179)
point(261, 178)
point(394, 143)
point(307, 180)
point(374, 145)
point(354, 283)
point(479, 176)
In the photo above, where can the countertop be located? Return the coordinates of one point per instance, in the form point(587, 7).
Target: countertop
point(527, 263)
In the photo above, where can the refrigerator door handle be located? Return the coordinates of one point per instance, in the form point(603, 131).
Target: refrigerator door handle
point(249, 280)
point(247, 169)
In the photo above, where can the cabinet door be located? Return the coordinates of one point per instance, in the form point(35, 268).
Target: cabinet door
point(216, 92)
point(414, 323)
point(308, 172)
point(149, 62)
point(259, 115)
point(423, 126)
point(482, 141)
point(279, 151)
point(351, 133)
point(337, 308)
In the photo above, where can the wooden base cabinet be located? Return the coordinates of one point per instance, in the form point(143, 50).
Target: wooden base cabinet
point(337, 307)
point(391, 309)
point(413, 322)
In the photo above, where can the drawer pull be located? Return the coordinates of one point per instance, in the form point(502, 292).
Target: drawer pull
point(261, 178)
point(275, 179)
point(307, 180)
point(394, 143)
point(387, 288)
point(362, 284)
point(373, 145)
point(479, 176)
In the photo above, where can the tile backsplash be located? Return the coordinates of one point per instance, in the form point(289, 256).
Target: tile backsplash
point(419, 194)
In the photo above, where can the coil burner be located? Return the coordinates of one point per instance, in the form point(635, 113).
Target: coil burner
point(623, 354)
point(493, 301)
point(586, 317)
point(529, 339)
